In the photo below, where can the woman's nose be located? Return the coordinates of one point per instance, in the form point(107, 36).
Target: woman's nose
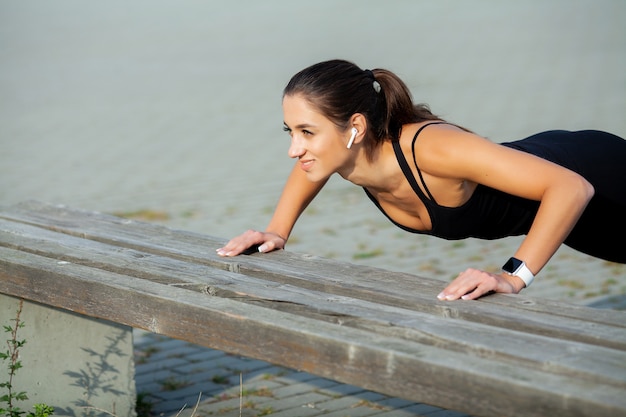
point(295, 148)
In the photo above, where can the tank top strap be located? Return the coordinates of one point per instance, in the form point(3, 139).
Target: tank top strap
point(406, 170)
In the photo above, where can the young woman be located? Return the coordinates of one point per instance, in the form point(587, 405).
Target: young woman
point(433, 177)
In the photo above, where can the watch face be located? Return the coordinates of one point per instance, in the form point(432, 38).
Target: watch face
point(512, 265)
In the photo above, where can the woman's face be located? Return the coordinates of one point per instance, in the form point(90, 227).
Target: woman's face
point(317, 142)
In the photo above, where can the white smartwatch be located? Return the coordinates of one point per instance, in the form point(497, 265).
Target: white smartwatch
point(519, 269)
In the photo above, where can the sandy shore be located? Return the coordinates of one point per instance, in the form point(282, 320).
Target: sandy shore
point(174, 109)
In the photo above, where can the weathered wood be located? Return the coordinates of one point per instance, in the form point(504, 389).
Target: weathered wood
point(374, 284)
point(288, 266)
point(347, 311)
point(384, 331)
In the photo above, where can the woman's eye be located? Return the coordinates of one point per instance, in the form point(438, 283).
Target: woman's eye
point(304, 131)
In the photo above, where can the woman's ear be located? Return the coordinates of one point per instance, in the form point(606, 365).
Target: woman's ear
point(358, 122)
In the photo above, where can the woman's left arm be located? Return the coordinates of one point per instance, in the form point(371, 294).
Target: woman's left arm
point(562, 193)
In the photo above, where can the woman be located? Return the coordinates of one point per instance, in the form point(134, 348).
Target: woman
point(429, 176)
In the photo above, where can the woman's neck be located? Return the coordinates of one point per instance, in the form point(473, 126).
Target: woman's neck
point(380, 173)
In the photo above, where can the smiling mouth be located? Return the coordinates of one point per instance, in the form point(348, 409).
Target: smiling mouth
point(306, 164)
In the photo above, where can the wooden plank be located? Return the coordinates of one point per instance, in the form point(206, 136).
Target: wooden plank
point(453, 334)
point(343, 279)
point(200, 248)
point(408, 369)
point(404, 290)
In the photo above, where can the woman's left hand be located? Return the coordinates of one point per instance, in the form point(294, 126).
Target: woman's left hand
point(474, 283)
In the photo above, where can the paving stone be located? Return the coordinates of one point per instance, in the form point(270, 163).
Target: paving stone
point(153, 372)
point(254, 388)
point(235, 363)
point(218, 407)
point(447, 413)
point(193, 368)
point(171, 363)
point(271, 372)
point(300, 411)
point(396, 402)
point(205, 354)
point(216, 376)
point(296, 377)
point(353, 412)
point(339, 390)
point(423, 409)
point(150, 393)
point(402, 412)
point(315, 385)
point(350, 401)
point(189, 388)
point(306, 400)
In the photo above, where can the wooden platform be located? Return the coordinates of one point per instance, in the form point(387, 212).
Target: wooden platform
point(383, 331)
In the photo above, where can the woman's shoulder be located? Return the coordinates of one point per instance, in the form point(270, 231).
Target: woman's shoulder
point(431, 132)
point(443, 149)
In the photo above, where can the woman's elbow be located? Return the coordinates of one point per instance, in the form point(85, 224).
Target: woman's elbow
point(586, 191)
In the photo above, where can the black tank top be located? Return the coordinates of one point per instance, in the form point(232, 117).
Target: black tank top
point(599, 157)
point(488, 214)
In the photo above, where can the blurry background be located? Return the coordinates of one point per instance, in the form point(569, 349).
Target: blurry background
point(171, 111)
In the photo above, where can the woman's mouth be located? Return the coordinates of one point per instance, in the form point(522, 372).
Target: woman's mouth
point(306, 164)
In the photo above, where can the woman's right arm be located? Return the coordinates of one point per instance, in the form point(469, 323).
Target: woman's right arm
point(296, 196)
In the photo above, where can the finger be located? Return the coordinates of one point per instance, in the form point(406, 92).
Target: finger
point(478, 292)
point(268, 246)
point(272, 242)
point(469, 285)
point(487, 284)
point(458, 287)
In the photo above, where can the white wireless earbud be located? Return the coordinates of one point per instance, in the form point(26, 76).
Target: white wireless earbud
point(351, 141)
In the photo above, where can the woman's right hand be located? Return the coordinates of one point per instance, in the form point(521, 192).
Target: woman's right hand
point(266, 242)
point(296, 196)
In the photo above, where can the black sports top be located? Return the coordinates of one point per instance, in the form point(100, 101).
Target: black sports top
point(491, 214)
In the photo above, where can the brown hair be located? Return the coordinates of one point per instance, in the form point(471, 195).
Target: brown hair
point(339, 89)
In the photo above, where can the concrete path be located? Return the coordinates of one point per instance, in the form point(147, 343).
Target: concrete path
point(170, 112)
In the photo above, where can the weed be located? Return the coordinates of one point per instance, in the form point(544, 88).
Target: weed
point(249, 404)
point(172, 384)
point(368, 254)
point(573, 284)
point(261, 392)
point(143, 407)
point(265, 411)
point(144, 214)
point(12, 354)
point(144, 355)
point(369, 404)
point(220, 379)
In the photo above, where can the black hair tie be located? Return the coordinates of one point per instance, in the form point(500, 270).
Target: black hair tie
point(371, 76)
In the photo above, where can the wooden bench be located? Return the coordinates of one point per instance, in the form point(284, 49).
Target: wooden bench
point(384, 331)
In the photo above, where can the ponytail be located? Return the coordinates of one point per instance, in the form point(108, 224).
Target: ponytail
point(398, 108)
